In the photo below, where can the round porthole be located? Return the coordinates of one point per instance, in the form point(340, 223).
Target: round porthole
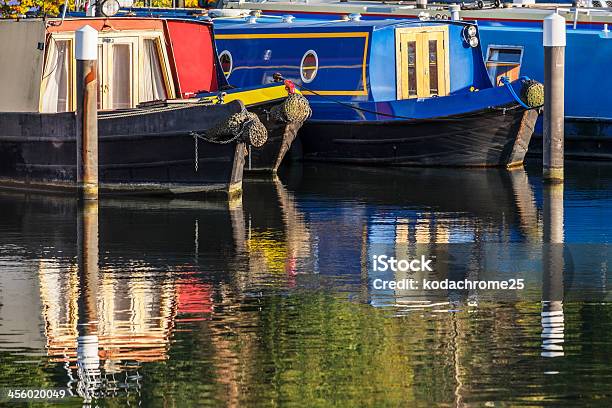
point(227, 63)
point(309, 66)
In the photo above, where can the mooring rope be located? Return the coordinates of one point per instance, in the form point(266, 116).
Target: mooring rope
point(346, 105)
point(506, 81)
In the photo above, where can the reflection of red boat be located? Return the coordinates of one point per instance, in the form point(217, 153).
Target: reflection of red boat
point(194, 300)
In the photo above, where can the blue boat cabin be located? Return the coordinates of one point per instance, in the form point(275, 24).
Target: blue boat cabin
point(356, 60)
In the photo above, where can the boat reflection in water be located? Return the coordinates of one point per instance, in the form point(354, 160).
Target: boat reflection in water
point(243, 303)
point(413, 207)
point(414, 217)
point(120, 278)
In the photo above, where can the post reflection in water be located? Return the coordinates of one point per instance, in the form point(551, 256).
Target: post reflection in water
point(88, 379)
point(553, 326)
point(111, 325)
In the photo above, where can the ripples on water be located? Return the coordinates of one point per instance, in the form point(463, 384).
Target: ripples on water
point(268, 301)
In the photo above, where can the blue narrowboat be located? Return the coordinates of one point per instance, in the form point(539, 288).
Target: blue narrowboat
point(386, 92)
point(511, 40)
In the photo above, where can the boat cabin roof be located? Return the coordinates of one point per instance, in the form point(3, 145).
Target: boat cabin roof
point(268, 22)
point(298, 24)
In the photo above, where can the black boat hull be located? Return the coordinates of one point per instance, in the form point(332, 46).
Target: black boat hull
point(146, 151)
point(584, 139)
point(281, 135)
point(488, 138)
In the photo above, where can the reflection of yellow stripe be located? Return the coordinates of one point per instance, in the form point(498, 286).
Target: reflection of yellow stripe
point(365, 35)
point(272, 252)
point(254, 96)
point(268, 66)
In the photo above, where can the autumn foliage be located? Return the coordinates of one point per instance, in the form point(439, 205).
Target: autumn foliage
point(18, 8)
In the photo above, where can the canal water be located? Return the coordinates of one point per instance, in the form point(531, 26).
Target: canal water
point(271, 300)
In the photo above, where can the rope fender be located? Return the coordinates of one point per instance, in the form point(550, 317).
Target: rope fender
point(243, 126)
point(295, 108)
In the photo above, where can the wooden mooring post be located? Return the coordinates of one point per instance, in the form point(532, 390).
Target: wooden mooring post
point(554, 98)
point(86, 53)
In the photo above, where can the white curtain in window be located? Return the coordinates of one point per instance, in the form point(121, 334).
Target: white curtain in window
point(121, 81)
point(56, 96)
point(152, 87)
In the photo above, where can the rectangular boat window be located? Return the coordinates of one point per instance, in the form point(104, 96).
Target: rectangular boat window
point(504, 61)
point(57, 96)
point(121, 76)
point(433, 67)
point(412, 74)
point(152, 85)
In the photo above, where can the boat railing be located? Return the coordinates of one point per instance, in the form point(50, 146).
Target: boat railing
point(577, 11)
point(582, 10)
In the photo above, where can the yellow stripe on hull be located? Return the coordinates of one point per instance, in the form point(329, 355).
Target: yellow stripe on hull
point(253, 96)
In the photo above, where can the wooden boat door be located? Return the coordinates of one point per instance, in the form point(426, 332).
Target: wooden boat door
point(117, 72)
point(422, 64)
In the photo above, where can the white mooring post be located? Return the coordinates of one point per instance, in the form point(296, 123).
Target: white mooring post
point(454, 9)
point(86, 53)
point(554, 99)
